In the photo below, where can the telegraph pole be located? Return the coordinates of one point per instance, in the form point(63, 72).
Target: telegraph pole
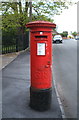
point(30, 18)
point(30, 10)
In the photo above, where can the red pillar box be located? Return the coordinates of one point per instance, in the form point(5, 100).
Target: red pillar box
point(41, 64)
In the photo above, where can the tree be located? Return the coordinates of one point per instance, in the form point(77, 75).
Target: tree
point(42, 9)
point(49, 8)
point(15, 15)
point(14, 18)
point(64, 33)
point(74, 34)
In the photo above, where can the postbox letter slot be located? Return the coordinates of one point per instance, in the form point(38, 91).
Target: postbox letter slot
point(41, 36)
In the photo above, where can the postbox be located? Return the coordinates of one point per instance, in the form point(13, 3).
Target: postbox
point(41, 64)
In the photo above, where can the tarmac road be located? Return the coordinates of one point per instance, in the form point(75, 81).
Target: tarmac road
point(65, 75)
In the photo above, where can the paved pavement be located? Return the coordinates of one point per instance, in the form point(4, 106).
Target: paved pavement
point(16, 84)
point(5, 59)
point(65, 74)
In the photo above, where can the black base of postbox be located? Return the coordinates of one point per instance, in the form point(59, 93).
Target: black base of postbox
point(40, 99)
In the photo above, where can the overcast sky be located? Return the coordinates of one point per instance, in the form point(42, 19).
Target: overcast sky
point(67, 21)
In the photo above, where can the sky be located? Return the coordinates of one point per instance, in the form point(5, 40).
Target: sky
point(67, 21)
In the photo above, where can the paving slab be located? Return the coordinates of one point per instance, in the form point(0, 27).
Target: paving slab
point(5, 59)
point(16, 91)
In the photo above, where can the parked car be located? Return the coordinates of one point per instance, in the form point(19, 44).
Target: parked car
point(57, 38)
point(77, 38)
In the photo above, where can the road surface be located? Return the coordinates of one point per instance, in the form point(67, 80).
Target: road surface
point(65, 75)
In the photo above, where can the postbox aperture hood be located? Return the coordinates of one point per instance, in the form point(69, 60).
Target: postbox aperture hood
point(40, 24)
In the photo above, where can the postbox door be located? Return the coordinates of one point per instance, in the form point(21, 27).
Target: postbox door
point(41, 64)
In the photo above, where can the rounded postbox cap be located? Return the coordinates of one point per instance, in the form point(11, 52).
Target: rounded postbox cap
point(40, 24)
